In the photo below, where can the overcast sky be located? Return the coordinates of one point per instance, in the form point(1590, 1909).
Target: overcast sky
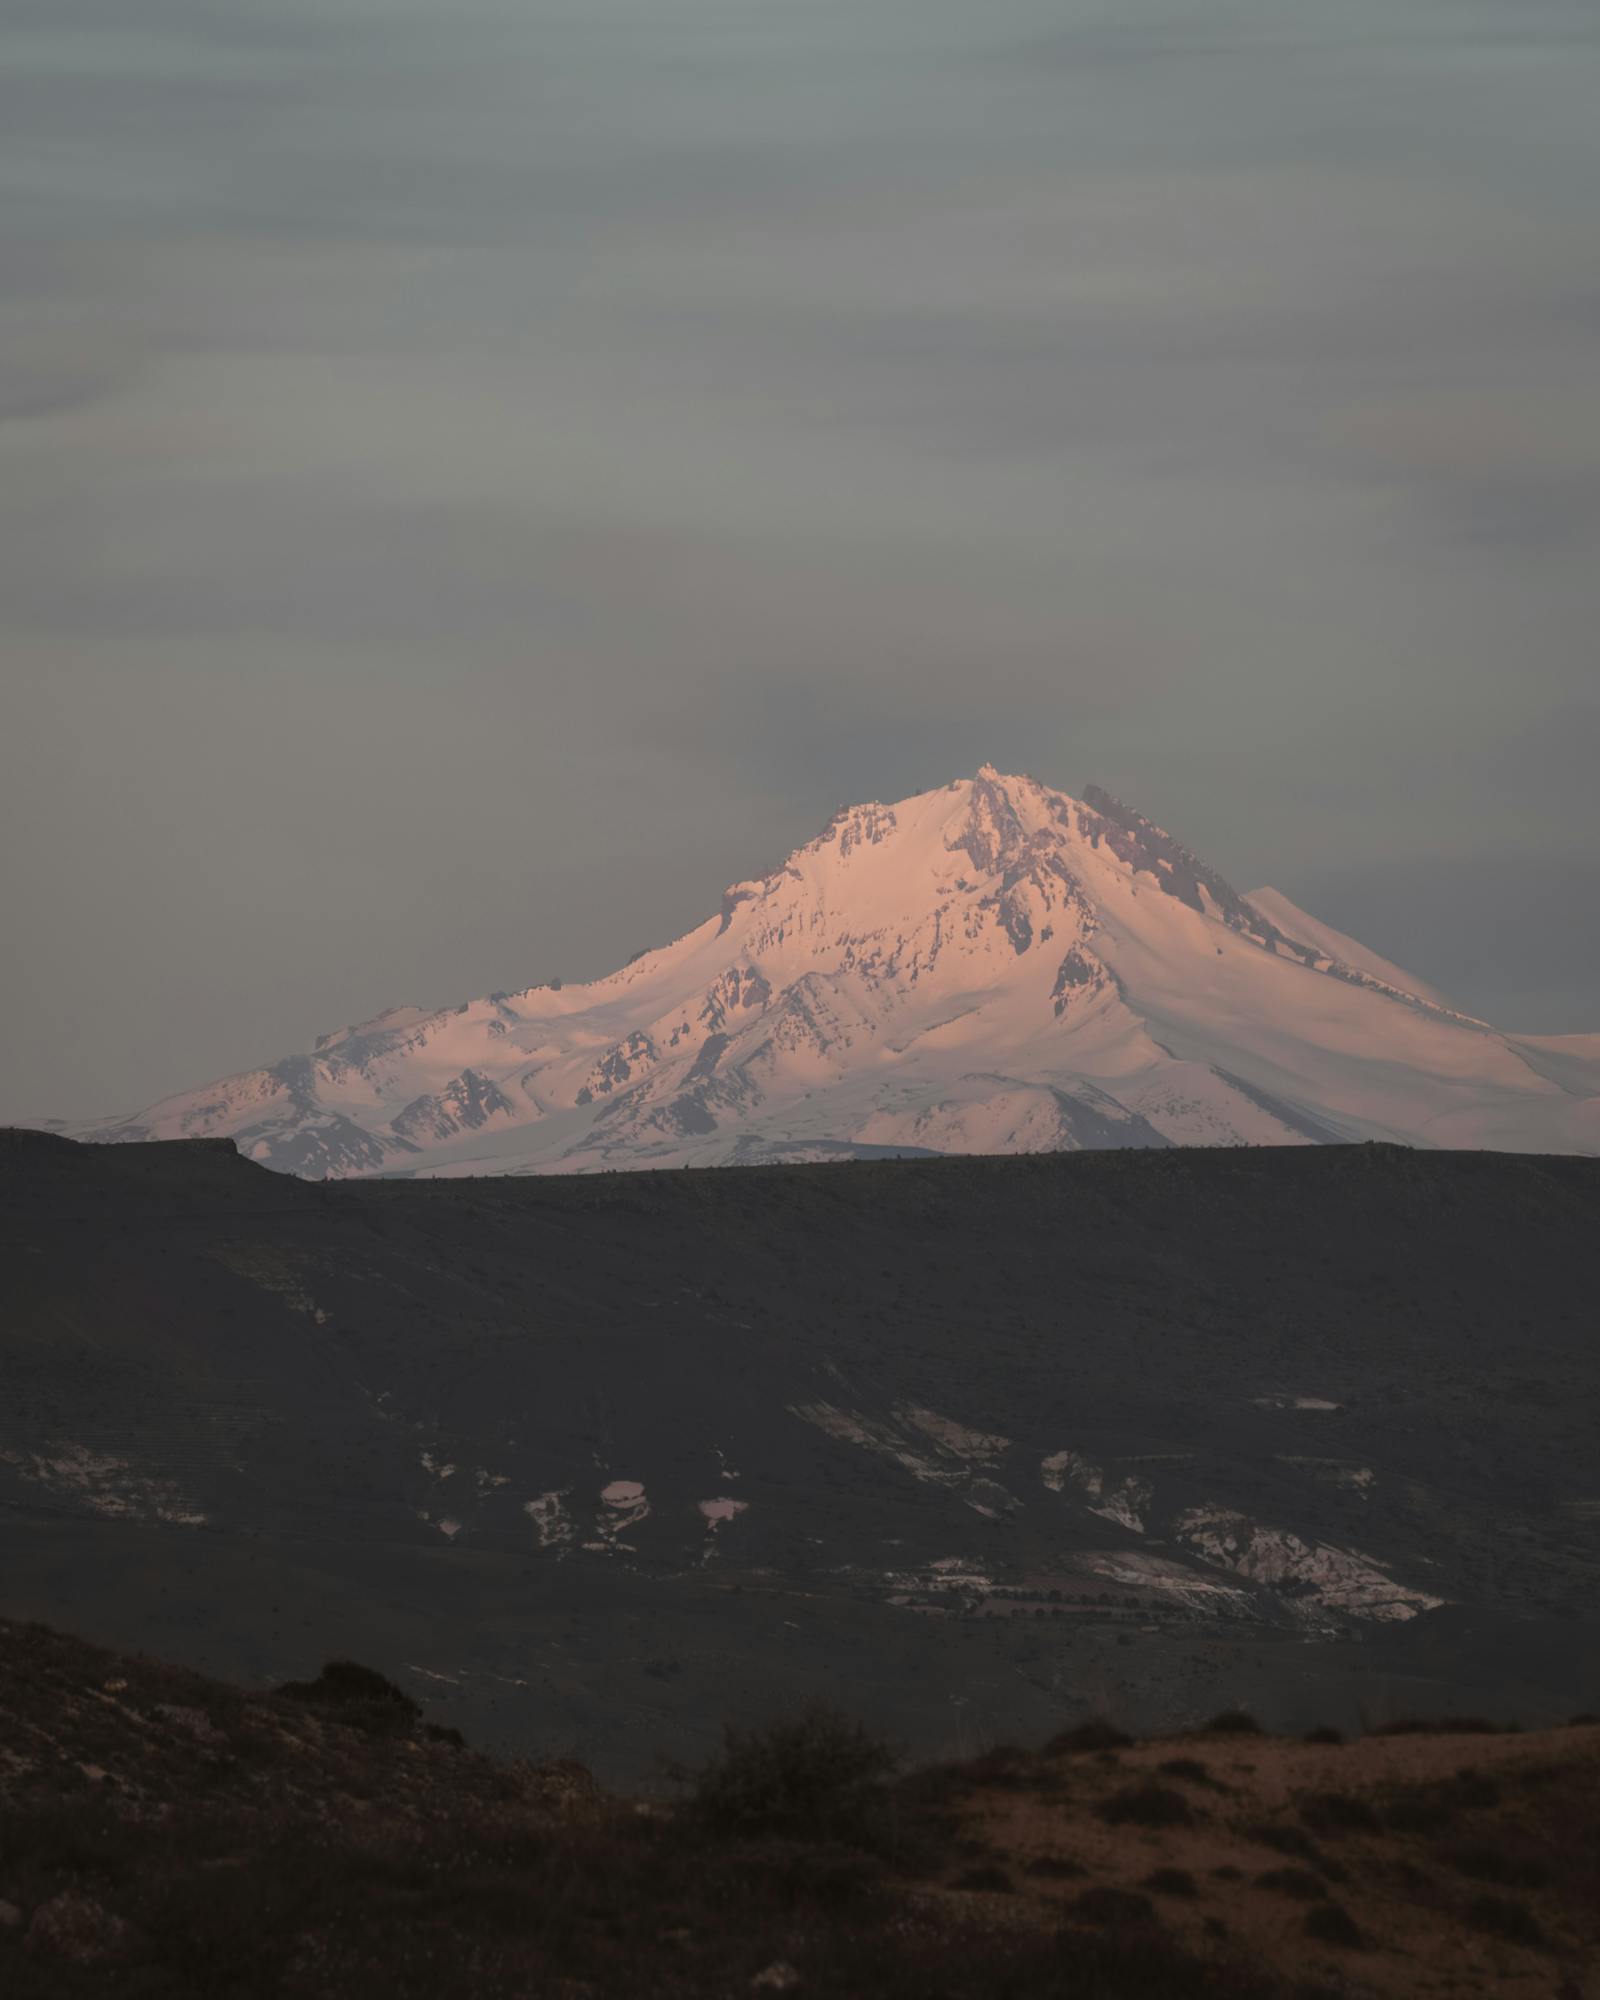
point(478, 475)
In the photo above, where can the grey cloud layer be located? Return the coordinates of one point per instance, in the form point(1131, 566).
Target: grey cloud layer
point(474, 478)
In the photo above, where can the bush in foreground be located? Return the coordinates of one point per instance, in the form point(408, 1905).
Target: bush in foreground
point(359, 1697)
point(1146, 1805)
point(815, 1773)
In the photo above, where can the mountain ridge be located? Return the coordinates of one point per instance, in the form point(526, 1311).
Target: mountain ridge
point(610, 1459)
point(991, 966)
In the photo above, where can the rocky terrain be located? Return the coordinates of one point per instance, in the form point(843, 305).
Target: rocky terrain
point(166, 1835)
point(981, 1447)
point(990, 967)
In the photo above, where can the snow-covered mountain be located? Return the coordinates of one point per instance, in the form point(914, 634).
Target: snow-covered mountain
point(992, 967)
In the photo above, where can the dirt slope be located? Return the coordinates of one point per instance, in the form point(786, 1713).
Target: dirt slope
point(161, 1834)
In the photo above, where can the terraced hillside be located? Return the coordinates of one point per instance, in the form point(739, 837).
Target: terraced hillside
point(978, 1446)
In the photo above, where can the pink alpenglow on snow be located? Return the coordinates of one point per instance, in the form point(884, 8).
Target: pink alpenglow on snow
point(991, 967)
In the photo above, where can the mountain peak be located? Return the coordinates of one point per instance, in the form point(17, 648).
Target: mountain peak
point(992, 966)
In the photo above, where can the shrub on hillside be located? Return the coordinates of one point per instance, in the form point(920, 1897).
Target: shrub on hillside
point(1171, 1882)
point(1332, 1923)
point(1300, 1883)
point(358, 1696)
point(1338, 1812)
point(1290, 1841)
point(1146, 1805)
point(1506, 1918)
point(1191, 1771)
point(1054, 1867)
point(817, 1772)
point(1114, 1907)
point(1492, 1864)
point(1097, 1734)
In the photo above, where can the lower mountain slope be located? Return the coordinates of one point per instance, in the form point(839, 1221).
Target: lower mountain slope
point(598, 1462)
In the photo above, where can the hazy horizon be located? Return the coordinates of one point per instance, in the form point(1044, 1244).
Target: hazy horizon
point(477, 480)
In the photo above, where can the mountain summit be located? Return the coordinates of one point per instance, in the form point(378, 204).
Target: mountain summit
point(991, 967)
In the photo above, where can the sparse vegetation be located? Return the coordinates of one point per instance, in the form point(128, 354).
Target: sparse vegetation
point(360, 1696)
point(1146, 1805)
point(1114, 1907)
point(1493, 1864)
point(1338, 1812)
point(1420, 1814)
point(1054, 1868)
point(1297, 1882)
point(1005, 1765)
point(1332, 1923)
point(815, 1773)
point(1231, 1722)
point(1290, 1841)
point(1191, 1771)
point(1094, 1735)
point(988, 1876)
point(1506, 1918)
point(167, 1838)
point(1431, 1808)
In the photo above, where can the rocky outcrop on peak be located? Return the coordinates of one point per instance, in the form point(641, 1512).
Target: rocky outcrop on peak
point(616, 1067)
point(466, 1102)
point(1146, 849)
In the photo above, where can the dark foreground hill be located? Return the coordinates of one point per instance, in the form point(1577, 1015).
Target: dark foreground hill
point(166, 1835)
point(974, 1447)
